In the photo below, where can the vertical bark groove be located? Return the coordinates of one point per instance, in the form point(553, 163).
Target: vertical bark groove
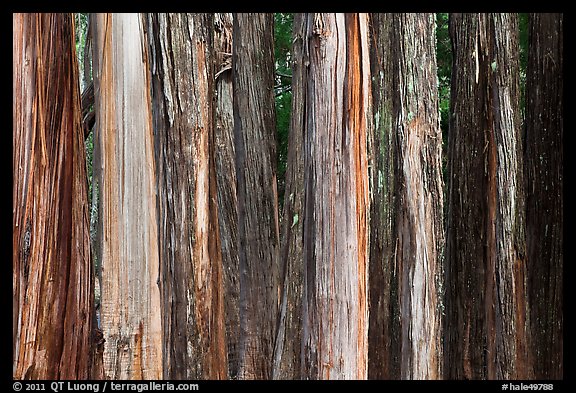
point(226, 180)
point(289, 337)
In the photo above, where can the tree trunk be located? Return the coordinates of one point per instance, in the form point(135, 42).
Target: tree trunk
point(289, 338)
point(485, 249)
point(190, 256)
point(384, 335)
point(53, 298)
point(124, 170)
point(407, 240)
point(544, 193)
point(258, 233)
point(336, 203)
point(226, 182)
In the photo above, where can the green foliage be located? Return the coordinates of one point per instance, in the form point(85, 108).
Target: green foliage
point(444, 64)
point(81, 27)
point(81, 34)
point(283, 64)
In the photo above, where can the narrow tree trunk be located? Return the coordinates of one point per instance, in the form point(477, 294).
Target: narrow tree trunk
point(53, 299)
point(258, 233)
point(544, 193)
point(128, 232)
point(384, 338)
point(226, 182)
point(190, 257)
point(407, 240)
point(485, 248)
point(289, 338)
point(336, 202)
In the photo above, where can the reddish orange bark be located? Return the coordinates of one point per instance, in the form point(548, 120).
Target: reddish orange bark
point(52, 274)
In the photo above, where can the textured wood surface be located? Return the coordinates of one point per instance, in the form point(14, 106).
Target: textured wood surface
point(190, 256)
point(407, 236)
point(53, 300)
point(287, 363)
point(545, 192)
point(124, 170)
point(258, 232)
point(336, 202)
point(226, 181)
point(485, 244)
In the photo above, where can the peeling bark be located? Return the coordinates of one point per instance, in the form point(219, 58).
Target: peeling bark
point(226, 182)
point(53, 298)
point(545, 192)
point(407, 239)
point(258, 232)
point(335, 203)
point(485, 249)
point(181, 48)
point(125, 174)
point(289, 337)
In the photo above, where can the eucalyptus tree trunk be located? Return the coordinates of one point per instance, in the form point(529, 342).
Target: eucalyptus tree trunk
point(226, 183)
point(406, 239)
point(128, 220)
point(52, 281)
point(190, 257)
point(287, 362)
point(335, 204)
point(485, 241)
point(545, 192)
point(258, 232)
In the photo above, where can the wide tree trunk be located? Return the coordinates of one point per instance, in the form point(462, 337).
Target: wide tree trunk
point(53, 298)
point(226, 183)
point(127, 225)
point(544, 193)
point(258, 232)
point(189, 241)
point(407, 236)
point(289, 337)
point(335, 211)
point(485, 241)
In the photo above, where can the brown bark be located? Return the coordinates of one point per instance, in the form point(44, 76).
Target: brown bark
point(125, 175)
point(485, 249)
point(53, 299)
point(258, 232)
point(544, 193)
point(407, 239)
point(226, 182)
point(384, 337)
point(289, 338)
point(336, 202)
point(190, 257)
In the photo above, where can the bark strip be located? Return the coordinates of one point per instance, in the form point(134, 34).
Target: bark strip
point(53, 298)
point(258, 227)
point(545, 193)
point(126, 177)
point(336, 202)
point(181, 47)
point(485, 251)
